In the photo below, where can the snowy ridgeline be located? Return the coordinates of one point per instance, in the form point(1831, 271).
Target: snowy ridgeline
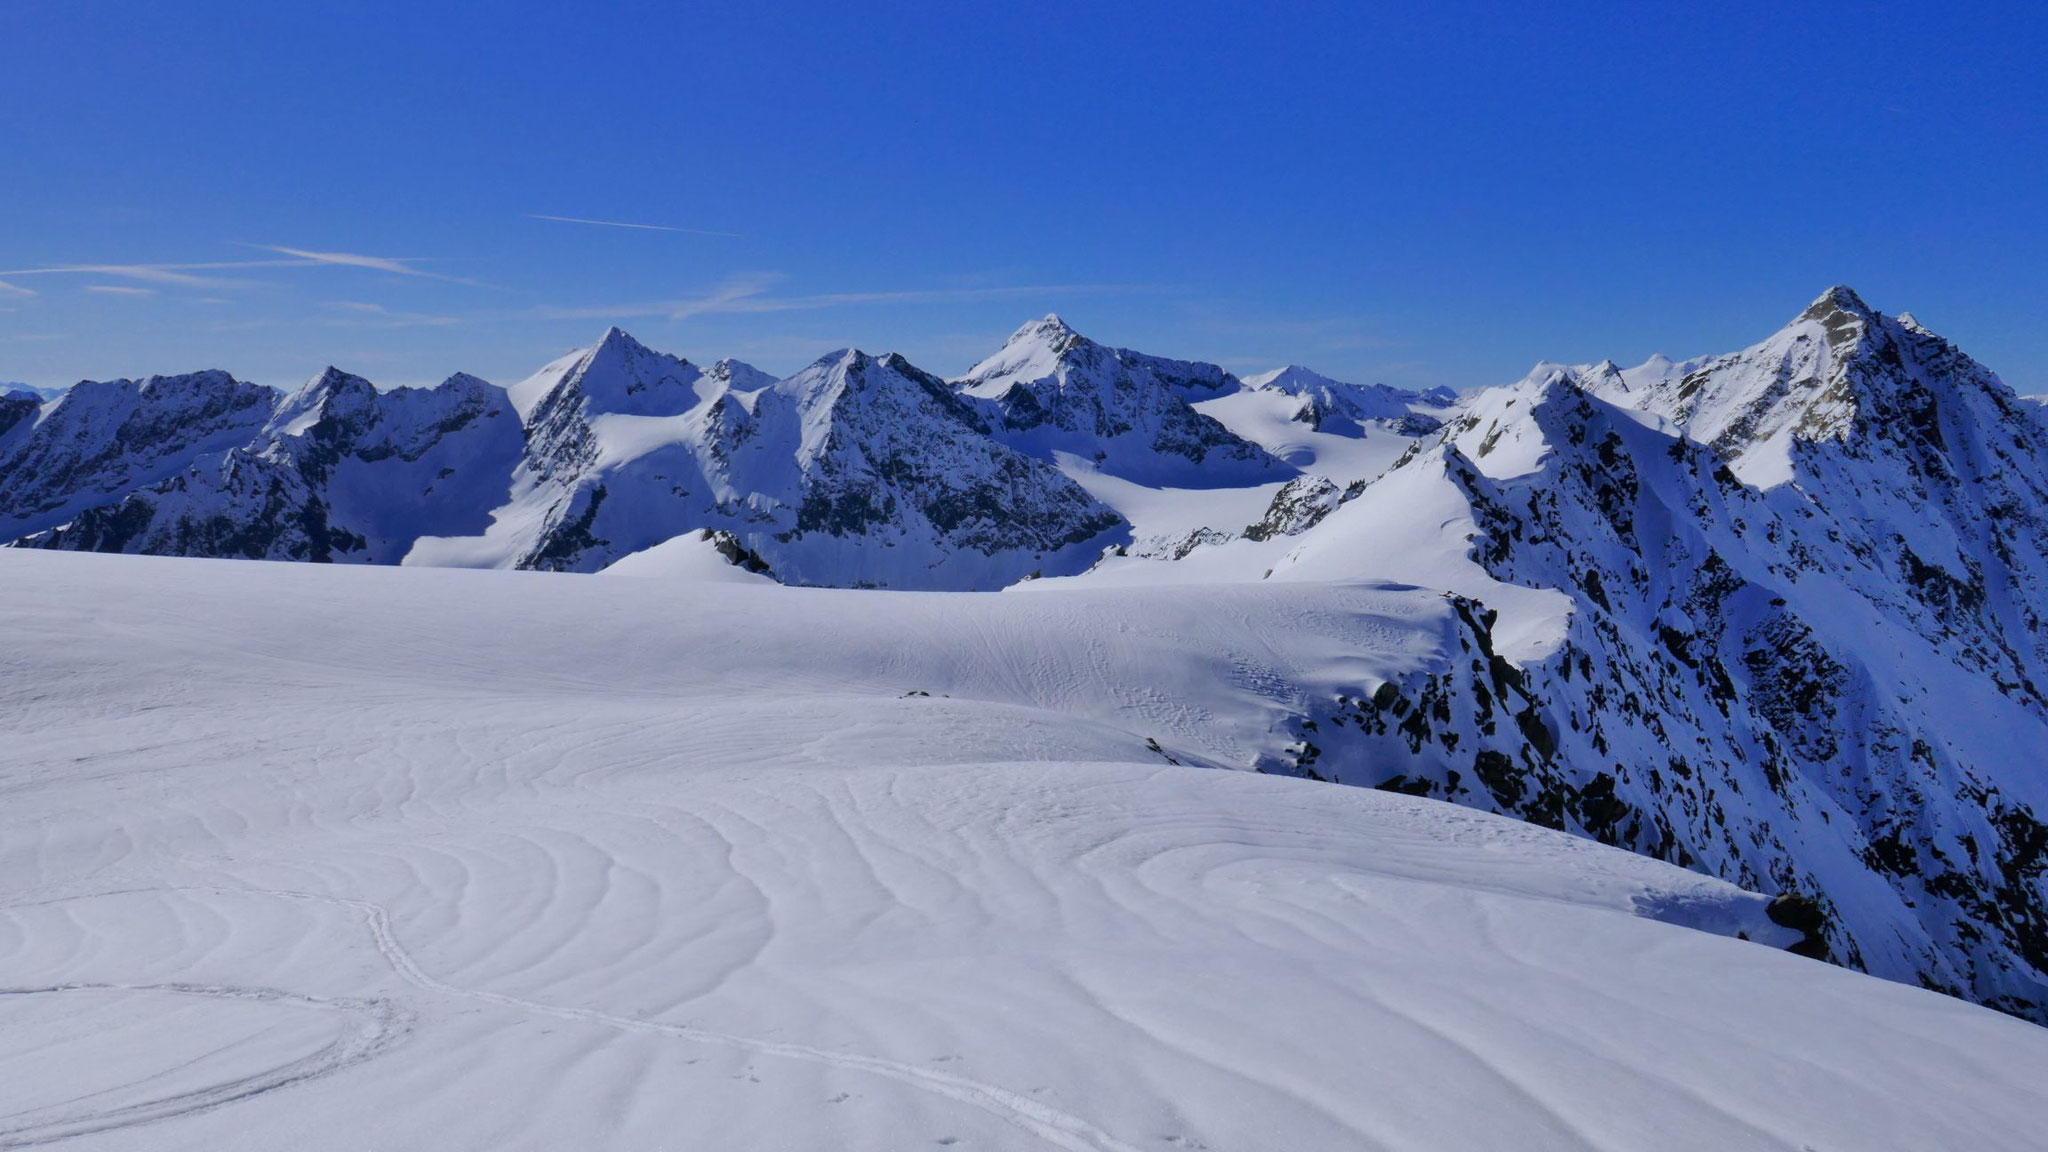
point(1774, 616)
point(321, 857)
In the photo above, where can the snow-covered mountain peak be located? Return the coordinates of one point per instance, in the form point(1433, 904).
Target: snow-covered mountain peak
point(825, 376)
point(1048, 329)
point(327, 391)
point(1053, 391)
point(1289, 378)
point(1841, 311)
point(1807, 383)
point(618, 374)
point(738, 375)
point(1508, 432)
point(1038, 351)
point(859, 394)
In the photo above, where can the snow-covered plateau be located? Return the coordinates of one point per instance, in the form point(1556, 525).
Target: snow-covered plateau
point(1097, 751)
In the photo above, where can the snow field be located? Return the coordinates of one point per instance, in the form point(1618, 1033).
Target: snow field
point(387, 858)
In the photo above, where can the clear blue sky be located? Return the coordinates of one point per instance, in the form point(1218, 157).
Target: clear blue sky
point(1421, 194)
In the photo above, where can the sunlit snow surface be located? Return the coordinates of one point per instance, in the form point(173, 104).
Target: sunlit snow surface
point(326, 858)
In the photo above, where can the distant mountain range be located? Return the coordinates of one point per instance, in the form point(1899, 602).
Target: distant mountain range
point(1776, 615)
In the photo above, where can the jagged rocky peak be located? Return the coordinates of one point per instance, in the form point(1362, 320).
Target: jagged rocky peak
point(1839, 370)
point(1049, 329)
point(331, 392)
point(335, 403)
point(163, 393)
point(1842, 313)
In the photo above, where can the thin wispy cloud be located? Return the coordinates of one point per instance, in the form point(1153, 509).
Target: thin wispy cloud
point(347, 259)
point(177, 274)
point(393, 265)
point(120, 290)
point(16, 290)
point(625, 224)
point(752, 294)
point(186, 274)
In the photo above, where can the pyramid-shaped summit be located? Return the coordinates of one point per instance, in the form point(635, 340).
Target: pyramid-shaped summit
point(618, 374)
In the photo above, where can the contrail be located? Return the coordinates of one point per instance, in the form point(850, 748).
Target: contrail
point(623, 224)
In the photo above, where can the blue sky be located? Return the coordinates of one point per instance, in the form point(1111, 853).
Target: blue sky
point(1417, 194)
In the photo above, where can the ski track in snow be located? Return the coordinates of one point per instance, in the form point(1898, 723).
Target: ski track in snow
point(1054, 1127)
point(369, 1027)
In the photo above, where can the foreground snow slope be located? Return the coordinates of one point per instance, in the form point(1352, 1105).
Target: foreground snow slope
point(323, 857)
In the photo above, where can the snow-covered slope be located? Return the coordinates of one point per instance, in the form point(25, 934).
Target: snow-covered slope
point(1052, 390)
point(369, 857)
